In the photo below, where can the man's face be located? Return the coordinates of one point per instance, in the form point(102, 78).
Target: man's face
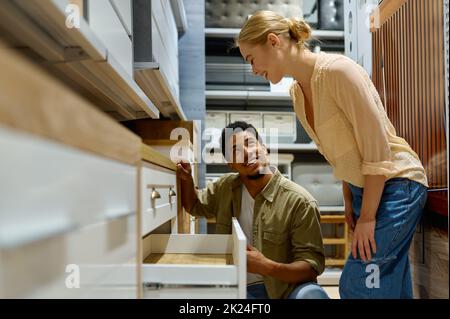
point(249, 156)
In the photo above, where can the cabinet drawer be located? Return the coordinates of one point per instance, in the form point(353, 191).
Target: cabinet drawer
point(195, 264)
point(159, 201)
point(285, 123)
point(216, 120)
point(252, 118)
point(48, 188)
point(90, 255)
point(106, 24)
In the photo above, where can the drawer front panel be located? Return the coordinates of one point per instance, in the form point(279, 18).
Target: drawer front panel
point(48, 189)
point(156, 212)
point(78, 264)
point(191, 293)
point(285, 123)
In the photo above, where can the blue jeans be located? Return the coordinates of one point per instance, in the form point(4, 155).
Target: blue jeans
point(388, 274)
point(309, 290)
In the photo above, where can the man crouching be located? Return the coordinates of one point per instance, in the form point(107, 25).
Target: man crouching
point(279, 218)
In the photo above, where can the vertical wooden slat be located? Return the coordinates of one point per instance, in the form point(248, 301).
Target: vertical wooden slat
point(410, 41)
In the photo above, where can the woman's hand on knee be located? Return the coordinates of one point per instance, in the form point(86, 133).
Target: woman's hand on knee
point(364, 239)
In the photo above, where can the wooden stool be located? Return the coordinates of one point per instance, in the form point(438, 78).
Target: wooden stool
point(336, 219)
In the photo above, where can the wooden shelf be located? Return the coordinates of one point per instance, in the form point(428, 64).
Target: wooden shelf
point(294, 147)
point(75, 55)
point(233, 33)
point(332, 209)
point(153, 82)
point(247, 95)
point(334, 241)
point(192, 259)
point(335, 262)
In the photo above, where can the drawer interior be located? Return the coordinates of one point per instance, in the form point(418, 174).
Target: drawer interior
point(190, 259)
point(174, 261)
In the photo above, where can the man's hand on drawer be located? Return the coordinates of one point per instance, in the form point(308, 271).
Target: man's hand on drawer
point(184, 171)
point(188, 193)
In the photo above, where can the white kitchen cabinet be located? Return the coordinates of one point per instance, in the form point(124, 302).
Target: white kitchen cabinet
point(61, 208)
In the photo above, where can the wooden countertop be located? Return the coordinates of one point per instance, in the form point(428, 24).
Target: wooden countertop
point(150, 155)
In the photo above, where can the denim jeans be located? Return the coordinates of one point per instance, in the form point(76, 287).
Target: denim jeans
point(309, 290)
point(388, 274)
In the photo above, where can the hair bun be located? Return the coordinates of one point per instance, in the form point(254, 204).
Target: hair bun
point(299, 30)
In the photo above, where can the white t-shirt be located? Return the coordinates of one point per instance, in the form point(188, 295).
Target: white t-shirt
point(246, 223)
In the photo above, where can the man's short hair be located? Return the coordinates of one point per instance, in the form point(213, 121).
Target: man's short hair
point(236, 127)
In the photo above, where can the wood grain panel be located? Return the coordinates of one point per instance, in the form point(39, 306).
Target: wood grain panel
point(34, 102)
point(409, 44)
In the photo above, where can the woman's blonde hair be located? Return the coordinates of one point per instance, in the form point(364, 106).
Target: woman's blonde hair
point(261, 23)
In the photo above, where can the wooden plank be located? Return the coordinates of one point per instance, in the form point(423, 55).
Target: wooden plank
point(193, 259)
point(34, 102)
point(334, 262)
point(148, 154)
point(334, 241)
point(187, 243)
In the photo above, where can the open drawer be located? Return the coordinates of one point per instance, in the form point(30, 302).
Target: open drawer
point(195, 266)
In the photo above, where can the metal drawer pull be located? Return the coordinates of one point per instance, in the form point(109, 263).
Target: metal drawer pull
point(155, 194)
point(172, 193)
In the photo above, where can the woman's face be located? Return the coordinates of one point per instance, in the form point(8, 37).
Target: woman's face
point(266, 59)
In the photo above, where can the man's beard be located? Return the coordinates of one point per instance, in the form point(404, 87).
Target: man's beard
point(263, 170)
point(257, 176)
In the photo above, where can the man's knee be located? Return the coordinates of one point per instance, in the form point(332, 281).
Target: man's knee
point(311, 291)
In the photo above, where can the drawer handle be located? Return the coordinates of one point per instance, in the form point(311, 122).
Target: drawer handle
point(172, 193)
point(155, 194)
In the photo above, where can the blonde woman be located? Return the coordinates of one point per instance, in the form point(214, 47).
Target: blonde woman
point(384, 182)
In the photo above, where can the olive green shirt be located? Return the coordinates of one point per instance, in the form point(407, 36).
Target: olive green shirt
point(286, 222)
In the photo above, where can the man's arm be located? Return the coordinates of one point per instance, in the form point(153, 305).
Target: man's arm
point(295, 272)
point(196, 204)
point(188, 193)
point(307, 249)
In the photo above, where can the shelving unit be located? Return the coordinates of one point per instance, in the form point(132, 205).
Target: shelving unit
point(75, 55)
point(232, 33)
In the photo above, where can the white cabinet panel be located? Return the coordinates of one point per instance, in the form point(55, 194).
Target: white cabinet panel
point(106, 24)
point(124, 11)
point(48, 188)
point(78, 264)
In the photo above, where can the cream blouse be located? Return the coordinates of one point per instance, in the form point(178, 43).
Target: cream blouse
point(352, 129)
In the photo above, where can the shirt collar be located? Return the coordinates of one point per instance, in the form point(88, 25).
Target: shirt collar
point(269, 190)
